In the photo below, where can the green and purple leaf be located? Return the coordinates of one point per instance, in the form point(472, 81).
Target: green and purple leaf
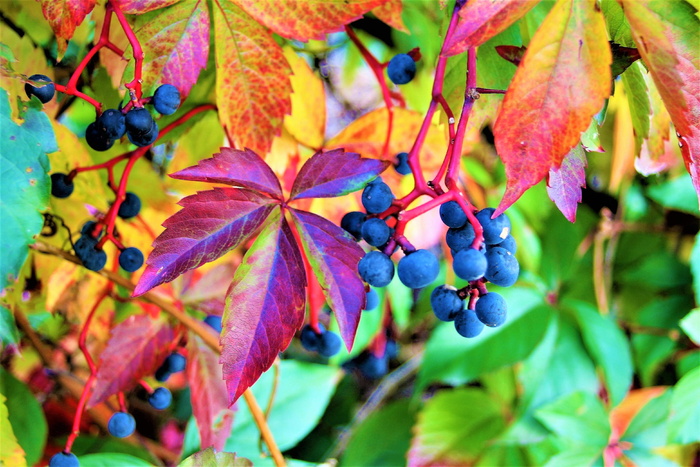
point(264, 307)
point(210, 224)
point(333, 256)
point(236, 168)
point(565, 182)
point(136, 348)
point(335, 173)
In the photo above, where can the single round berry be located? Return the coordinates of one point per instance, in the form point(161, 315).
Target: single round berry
point(138, 122)
point(508, 243)
point(372, 300)
point(113, 123)
point(352, 223)
point(166, 99)
point(374, 367)
point(470, 264)
point(61, 186)
point(401, 69)
point(175, 362)
point(310, 340)
point(214, 322)
point(453, 215)
point(461, 238)
point(121, 424)
point(495, 230)
point(375, 231)
point(329, 344)
point(85, 246)
point(130, 207)
point(146, 138)
point(418, 269)
point(376, 269)
point(162, 374)
point(467, 324)
point(491, 309)
point(446, 302)
point(401, 164)
point(130, 259)
point(95, 260)
point(377, 197)
point(160, 399)
point(503, 267)
point(44, 93)
point(88, 228)
point(64, 459)
point(97, 138)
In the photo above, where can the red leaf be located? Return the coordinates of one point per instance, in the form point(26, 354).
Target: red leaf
point(335, 173)
point(210, 224)
point(307, 19)
point(236, 168)
point(562, 82)
point(136, 348)
point(264, 307)
point(252, 78)
point(480, 20)
point(64, 16)
point(208, 394)
point(333, 256)
point(564, 183)
point(139, 7)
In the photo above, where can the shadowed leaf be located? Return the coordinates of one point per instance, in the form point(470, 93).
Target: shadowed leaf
point(622, 58)
point(390, 13)
point(564, 183)
point(511, 53)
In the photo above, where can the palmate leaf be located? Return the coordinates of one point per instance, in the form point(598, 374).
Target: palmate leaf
point(565, 182)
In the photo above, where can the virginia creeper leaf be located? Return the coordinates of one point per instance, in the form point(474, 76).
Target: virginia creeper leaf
point(307, 19)
point(264, 307)
point(307, 122)
point(210, 224)
point(208, 394)
point(333, 256)
point(666, 35)
point(64, 16)
point(335, 173)
point(252, 78)
point(139, 7)
point(565, 182)
point(390, 13)
point(209, 457)
point(236, 168)
point(135, 349)
point(480, 20)
point(561, 83)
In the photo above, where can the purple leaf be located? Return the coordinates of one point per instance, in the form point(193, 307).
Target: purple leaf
point(210, 224)
point(135, 349)
point(237, 168)
point(333, 256)
point(564, 184)
point(264, 307)
point(335, 173)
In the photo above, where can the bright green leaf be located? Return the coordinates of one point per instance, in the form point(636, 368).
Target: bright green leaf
point(684, 422)
point(584, 455)
point(8, 329)
point(110, 459)
point(677, 193)
point(648, 429)
point(638, 99)
point(695, 267)
point(209, 457)
point(579, 417)
point(691, 325)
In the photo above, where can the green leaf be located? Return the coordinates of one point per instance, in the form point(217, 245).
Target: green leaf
point(684, 422)
point(579, 417)
point(26, 416)
point(8, 329)
point(209, 457)
point(450, 418)
point(11, 453)
point(695, 267)
point(660, 270)
point(648, 429)
point(24, 185)
point(677, 193)
point(85, 444)
point(618, 27)
point(609, 347)
point(650, 354)
point(691, 325)
point(584, 455)
point(454, 360)
point(110, 459)
point(638, 99)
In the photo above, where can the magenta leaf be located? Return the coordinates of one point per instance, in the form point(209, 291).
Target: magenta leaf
point(335, 173)
point(237, 168)
point(208, 394)
point(333, 256)
point(564, 184)
point(135, 349)
point(210, 224)
point(264, 307)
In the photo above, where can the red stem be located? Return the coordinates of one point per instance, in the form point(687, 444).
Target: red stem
point(134, 86)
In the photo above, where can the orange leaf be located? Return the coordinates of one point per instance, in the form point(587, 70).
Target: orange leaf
point(307, 19)
point(622, 415)
point(64, 16)
point(252, 79)
point(561, 83)
point(307, 123)
point(390, 13)
point(667, 37)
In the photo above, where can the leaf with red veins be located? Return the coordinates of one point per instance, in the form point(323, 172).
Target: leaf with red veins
point(175, 43)
point(139, 7)
point(210, 224)
point(264, 307)
point(208, 394)
point(252, 78)
point(666, 35)
point(236, 168)
point(480, 20)
point(64, 16)
point(560, 85)
point(333, 256)
point(564, 183)
point(136, 348)
point(335, 173)
point(307, 19)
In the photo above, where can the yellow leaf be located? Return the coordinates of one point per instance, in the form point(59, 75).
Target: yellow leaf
point(307, 123)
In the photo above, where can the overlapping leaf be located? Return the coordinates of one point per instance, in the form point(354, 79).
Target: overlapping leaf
point(333, 256)
point(140, 7)
point(307, 123)
point(210, 457)
point(136, 348)
point(391, 12)
point(335, 173)
point(11, 453)
point(210, 224)
point(264, 307)
point(565, 182)
point(307, 19)
point(252, 79)
point(64, 16)
point(561, 83)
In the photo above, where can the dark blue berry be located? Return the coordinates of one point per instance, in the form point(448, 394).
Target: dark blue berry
point(401, 69)
point(352, 223)
point(418, 269)
point(374, 367)
point(160, 399)
point(61, 186)
point(92, 258)
point(376, 269)
point(467, 324)
point(495, 230)
point(64, 459)
point(146, 138)
point(470, 264)
point(166, 99)
point(85, 244)
point(503, 267)
point(121, 424)
point(461, 238)
point(508, 243)
point(310, 340)
point(401, 164)
point(377, 197)
point(391, 350)
point(97, 138)
point(88, 228)
point(214, 322)
point(491, 309)
point(372, 300)
point(130, 259)
point(375, 231)
point(130, 207)
point(453, 215)
point(329, 344)
point(95, 261)
point(138, 122)
point(175, 362)
point(162, 374)
point(446, 303)
point(113, 123)
point(44, 93)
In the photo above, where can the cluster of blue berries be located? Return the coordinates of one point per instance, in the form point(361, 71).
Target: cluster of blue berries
point(326, 343)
